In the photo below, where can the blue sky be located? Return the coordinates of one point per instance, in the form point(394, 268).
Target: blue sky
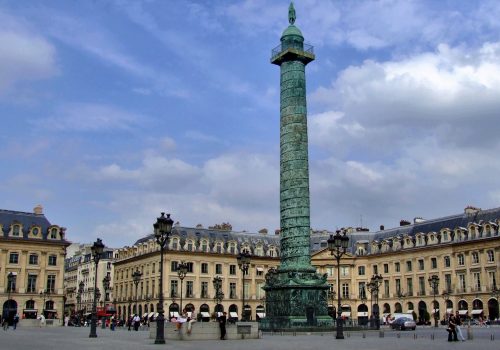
point(113, 111)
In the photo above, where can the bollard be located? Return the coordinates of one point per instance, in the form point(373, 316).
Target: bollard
point(492, 337)
point(414, 335)
point(398, 335)
point(381, 334)
point(470, 336)
point(364, 335)
point(432, 336)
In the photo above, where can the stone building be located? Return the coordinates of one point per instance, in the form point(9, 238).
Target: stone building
point(462, 250)
point(80, 270)
point(32, 252)
point(207, 253)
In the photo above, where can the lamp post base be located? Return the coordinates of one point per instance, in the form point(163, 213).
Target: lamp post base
point(340, 328)
point(160, 329)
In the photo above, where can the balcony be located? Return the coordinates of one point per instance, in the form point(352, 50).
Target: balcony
point(304, 51)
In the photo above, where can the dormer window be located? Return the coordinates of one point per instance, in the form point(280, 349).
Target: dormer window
point(35, 231)
point(15, 230)
point(53, 233)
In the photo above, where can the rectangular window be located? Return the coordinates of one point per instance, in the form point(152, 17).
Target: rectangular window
point(477, 281)
point(260, 271)
point(434, 263)
point(173, 288)
point(204, 289)
point(232, 290)
point(232, 269)
point(345, 290)
point(13, 258)
point(204, 268)
point(329, 271)
point(31, 284)
point(491, 256)
point(15, 230)
point(362, 290)
point(461, 283)
point(398, 287)
point(246, 290)
point(493, 279)
point(260, 291)
point(190, 267)
point(397, 267)
point(173, 266)
point(344, 271)
point(386, 288)
point(461, 259)
point(361, 270)
point(153, 268)
point(375, 269)
point(51, 284)
point(421, 266)
point(409, 286)
point(11, 285)
point(386, 268)
point(52, 260)
point(447, 283)
point(475, 258)
point(189, 289)
point(447, 261)
point(33, 259)
point(218, 269)
point(408, 266)
point(421, 286)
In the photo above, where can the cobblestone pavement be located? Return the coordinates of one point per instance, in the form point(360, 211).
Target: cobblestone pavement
point(77, 338)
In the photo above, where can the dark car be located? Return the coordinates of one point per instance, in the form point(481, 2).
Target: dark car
point(403, 323)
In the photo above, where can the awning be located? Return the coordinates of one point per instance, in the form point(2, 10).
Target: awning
point(53, 310)
point(233, 314)
point(260, 269)
point(174, 314)
point(219, 314)
point(151, 314)
point(477, 312)
point(88, 313)
point(145, 314)
point(449, 311)
point(205, 314)
point(462, 312)
point(30, 310)
point(345, 314)
point(156, 314)
point(363, 314)
point(435, 310)
point(261, 314)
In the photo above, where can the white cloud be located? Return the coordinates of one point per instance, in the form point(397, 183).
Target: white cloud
point(91, 117)
point(25, 55)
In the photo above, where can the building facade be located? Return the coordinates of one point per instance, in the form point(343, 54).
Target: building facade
point(32, 252)
point(80, 276)
point(462, 250)
point(208, 253)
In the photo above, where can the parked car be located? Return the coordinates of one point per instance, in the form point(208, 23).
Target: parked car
point(404, 323)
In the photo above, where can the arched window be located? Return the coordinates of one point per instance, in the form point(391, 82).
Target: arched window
point(30, 304)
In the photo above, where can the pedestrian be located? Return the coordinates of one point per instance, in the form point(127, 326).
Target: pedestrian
point(452, 331)
point(5, 323)
point(222, 325)
point(15, 321)
point(458, 323)
point(42, 320)
point(129, 322)
point(137, 322)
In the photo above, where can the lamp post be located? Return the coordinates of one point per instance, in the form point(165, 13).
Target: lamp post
point(182, 270)
point(105, 283)
point(446, 297)
point(136, 277)
point(337, 244)
point(219, 295)
point(243, 260)
point(81, 285)
point(162, 229)
point(45, 295)
point(10, 281)
point(97, 250)
point(332, 293)
point(434, 283)
point(374, 286)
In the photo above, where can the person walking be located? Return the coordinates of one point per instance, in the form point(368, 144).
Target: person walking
point(15, 321)
point(137, 322)
point(458, 323)
point(222, 325)
point(452, 328)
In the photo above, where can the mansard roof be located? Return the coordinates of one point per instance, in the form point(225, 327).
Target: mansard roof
point(26, 220)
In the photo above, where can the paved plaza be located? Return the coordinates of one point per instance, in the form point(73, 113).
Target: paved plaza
point(77, 338)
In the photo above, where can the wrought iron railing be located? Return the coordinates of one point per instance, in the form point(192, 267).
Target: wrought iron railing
point(299, 46)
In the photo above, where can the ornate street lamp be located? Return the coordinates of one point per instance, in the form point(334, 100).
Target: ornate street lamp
point(332, 293)
point(337, 244)
point(219, 295)
point(81, 285)
point(373, 287)
point(243, 260)
point(434, 283)
point(97, 250)
point(182, 270)
point(162, 229)
point(136, 277)
point(105, 283)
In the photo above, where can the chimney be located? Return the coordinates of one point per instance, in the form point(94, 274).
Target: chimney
point(418, 220)
point(38, 210)
point(382, 227)
point(263, 232)
point(404, 223)
point(471, 210)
